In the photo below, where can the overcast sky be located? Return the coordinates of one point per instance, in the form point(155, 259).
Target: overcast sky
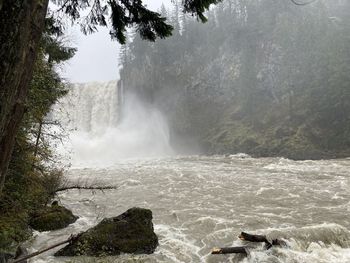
point(97, 56)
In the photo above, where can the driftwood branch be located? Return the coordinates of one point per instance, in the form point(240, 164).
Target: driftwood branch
point(101, 188)
point(251, 238)
point(71, 238)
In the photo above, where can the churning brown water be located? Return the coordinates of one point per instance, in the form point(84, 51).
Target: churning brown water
point(202, 202)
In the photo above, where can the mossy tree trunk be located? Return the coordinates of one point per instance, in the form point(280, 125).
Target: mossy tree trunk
point(21, 26)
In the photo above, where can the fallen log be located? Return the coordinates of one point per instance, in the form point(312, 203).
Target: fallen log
point(250, 238)
point(23, 259)
point(230, 250)
point(260, 238)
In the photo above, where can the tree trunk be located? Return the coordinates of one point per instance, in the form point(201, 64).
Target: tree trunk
point(37, 139)
point(21, 26)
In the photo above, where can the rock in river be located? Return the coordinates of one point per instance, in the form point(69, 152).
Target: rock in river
point(52, 218)
point(130, 232)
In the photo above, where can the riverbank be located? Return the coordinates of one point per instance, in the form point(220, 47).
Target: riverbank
point(24, 195)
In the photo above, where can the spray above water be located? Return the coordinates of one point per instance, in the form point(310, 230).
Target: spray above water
point(107, 128)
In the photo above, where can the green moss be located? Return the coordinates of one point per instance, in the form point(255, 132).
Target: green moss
point(130, 232)
point(52, 218)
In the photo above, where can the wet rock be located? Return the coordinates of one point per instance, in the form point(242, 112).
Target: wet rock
point(130, 232)
point(52, 218)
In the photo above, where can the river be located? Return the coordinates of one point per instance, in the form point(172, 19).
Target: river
point(201, 202)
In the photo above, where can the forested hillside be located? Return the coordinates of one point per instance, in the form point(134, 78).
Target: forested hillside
point(268, 78)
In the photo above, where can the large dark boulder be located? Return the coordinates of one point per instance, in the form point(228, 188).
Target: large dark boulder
point(52, 218)
point(130, 232)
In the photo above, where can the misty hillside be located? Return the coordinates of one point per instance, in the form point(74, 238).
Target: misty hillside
point(267, 78)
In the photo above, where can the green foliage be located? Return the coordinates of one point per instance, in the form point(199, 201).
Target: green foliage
point(198, 7)
point(13, 230)
point(32, 175)
point(127, 13)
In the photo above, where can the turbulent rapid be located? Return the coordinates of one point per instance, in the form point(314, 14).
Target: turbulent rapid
point(201, 202)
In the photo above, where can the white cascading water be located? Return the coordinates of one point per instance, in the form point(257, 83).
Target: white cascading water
point(99, 135)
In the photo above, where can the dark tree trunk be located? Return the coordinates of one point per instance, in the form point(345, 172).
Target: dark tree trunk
point(38, 139)
point(21, 26)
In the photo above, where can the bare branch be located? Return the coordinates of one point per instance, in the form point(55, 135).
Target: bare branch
point(101, 188)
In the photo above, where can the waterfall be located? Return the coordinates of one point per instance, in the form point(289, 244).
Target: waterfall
point(90, 107)
point(100, 135)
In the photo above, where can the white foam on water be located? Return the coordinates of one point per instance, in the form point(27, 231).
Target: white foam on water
point(201, 202)
point(317, 254)
point(176, 245)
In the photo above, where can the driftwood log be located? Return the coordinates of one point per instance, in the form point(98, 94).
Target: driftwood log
point(260, 238)
point(251, 238)
point(24, 258)
point(230, 250)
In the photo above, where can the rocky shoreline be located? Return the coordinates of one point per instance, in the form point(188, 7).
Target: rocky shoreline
point(131, 232)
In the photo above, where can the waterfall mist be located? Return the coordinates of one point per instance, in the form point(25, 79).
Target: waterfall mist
point(100, 135)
